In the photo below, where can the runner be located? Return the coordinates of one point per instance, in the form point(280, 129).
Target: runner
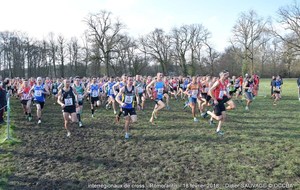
point(116, 88)
point(67, 98)
point(298, 83)
point(217, 92)
point(110, 93)
point(192, 91)
point(25, 96)
point(54, 89)
point(80, 89)
point(140, 87)
point(277, 90)
point(158, 90)
point(272, 86)
point(40, 91)
point(248, 87)
point(93, 89)
point(125, 98)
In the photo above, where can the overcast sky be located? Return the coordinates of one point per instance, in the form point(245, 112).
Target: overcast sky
point(40, 17)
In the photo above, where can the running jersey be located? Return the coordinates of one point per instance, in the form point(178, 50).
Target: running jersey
point(193, 90)
point(250, 84)
point(185, 83)
point(278, 84)
point(26, 95)
point(38, 93)
point(94, 90)
point(159, 88)
point(140, 87)
point(68, 97)
point(128, 98)
point(55, 88)
point(220, 91)
point(110, 88)
point(80, 91)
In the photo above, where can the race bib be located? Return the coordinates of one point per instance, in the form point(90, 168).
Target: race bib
point(68, 102)
point(80, 97)
point(26, 97)
point(95, 93)
point(160, 91)
point(128, 99)
point(194, 93)
point(111, 91)
point(54, 90)
point(206, 89)
point(221, 94)
point(38, 93)
point(250, 89)
point(140, 89)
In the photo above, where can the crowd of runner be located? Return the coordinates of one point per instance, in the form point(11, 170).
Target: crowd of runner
point(207, 96)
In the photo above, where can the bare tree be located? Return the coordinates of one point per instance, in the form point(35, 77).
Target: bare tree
point(158, 45)
point(289, 18)
point(53, 52)
point(61, 53)
point(106, 34)
point(246, 36)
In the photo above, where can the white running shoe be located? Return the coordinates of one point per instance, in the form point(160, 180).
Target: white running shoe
point(92, 115)
point(80, 124)
point(246, 108)
point(195, 119)
point(39, 122)
point(115, 112)
point(68, 134)
point(126, 136)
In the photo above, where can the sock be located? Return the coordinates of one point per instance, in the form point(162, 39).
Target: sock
point(39, 118)
point(29, 114)
point(92, 111)
point(120, 113)
point(78, 117)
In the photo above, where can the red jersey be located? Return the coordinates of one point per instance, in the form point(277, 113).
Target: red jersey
point(220, 91)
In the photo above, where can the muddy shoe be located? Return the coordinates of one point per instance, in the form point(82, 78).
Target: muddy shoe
point(68, 134)
point(80, 124)
point(126, 136)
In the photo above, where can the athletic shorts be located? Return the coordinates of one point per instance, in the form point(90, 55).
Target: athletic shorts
point(225, 99)
point(94, 99)
point(24, 102)
point(80, 103)
point(69, 109)
point(157, 100)
point(249, 96)
point(128, 111)
point(276, 92)
point(192, 100)
point(219, 108)
point(41, 103)
point(141, 95)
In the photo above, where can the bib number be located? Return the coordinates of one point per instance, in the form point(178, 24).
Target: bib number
point(160, 91)
point(38, 93)
point(221, 94)
point(54, 90)
point(68, 102)
point(80, 97)
point(94, 93)
point(128, 99)
point(194, 93)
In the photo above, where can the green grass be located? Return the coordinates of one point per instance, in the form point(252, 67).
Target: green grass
point(259, 146)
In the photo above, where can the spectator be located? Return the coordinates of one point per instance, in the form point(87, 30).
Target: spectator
point(2, 102)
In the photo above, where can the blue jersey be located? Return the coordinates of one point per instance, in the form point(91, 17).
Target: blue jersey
point(128, 98)
point(94, 90)
point(110, 88)
point(38, 93)
point(159, 88)
point(185, 83)
point(278, 84)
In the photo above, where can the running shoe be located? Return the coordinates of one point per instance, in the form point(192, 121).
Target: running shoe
point(246, 108)
point(126, 136)
point(220, 133)
point(195, 119)
point(68, 134)
point(211, 123)
point(39, 122)
point(80, 124)
point(186, 104)
point(204, 115)
point(29, 118)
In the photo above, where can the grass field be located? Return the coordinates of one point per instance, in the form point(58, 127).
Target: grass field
point(260, 149)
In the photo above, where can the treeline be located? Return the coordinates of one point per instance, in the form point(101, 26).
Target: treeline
point(256, 46)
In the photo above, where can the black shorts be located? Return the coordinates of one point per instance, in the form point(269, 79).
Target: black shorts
point(157, 100)
point(80, 103)
point(219, 108)
point(41, 103)
point(206, 96)
point(276, 92)
point(24, 102)
point(225, 99)
point(70, 109)
point(94, 99)
point(128, 111)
